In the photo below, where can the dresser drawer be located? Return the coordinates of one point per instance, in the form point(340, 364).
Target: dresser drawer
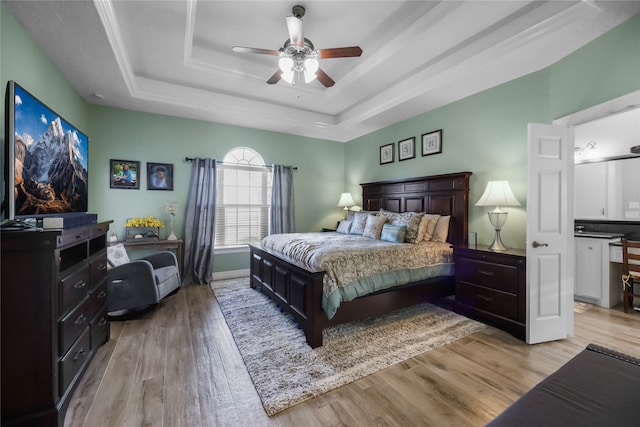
point(98, 268)
point(496, 276)
point(489, 300)
point(73, 289)
point(97, 300)
point(99, 329)
point(72, 325)
point(73, 361)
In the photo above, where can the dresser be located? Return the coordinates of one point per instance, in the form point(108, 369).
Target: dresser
point(54, 318)
point(491, 287)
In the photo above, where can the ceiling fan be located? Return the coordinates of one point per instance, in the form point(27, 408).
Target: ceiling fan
point(298, 55)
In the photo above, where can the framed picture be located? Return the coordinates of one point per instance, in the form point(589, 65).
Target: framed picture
point(407, 148)
point(386, 154)
point(432, 143)
point(160, 176)
point(124, 174)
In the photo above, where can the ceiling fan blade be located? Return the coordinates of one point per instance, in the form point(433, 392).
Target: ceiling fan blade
point(275, 78)
point(340, 52)
point(241, 49)
point(295, 31)
point(324, 78)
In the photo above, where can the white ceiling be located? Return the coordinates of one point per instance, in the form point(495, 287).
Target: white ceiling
point(175, 57)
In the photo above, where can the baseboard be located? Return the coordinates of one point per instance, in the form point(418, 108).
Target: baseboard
point(232, 274)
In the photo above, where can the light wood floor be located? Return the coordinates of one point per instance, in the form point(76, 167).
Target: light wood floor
point(179, 366)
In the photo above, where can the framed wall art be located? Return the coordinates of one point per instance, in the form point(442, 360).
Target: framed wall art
point(124, 174)
point(386, 154)
point(407, 148)
point(160, 176)
point(432, 143)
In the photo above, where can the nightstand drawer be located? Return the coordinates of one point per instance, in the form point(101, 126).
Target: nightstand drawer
point(496, 276)
point(490, 300)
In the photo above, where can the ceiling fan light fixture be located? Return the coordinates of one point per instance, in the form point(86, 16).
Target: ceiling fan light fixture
point(287, 76)
point(310, 68)
point(286, 64)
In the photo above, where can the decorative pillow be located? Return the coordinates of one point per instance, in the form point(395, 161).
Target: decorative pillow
point(411, 220)
point(358, 222)
point(427, 226)
point(117, 255)
point(344, 227)
point(393, 233)
point(441, 232)
point(373, 227)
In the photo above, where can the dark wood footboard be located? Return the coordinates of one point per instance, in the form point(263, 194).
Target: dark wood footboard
point(299, 292)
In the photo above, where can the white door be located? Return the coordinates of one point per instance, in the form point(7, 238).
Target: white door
point(549, 233)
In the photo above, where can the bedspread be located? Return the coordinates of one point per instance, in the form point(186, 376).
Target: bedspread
point(357, 265)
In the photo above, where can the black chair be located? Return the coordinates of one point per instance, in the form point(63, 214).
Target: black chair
point(139, 285)
point(630, 272)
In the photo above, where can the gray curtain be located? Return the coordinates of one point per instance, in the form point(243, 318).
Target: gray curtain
point(200, 222)
point(281, 218)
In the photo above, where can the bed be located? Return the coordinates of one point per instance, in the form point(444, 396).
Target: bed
point(299, 290)
point(598, 387)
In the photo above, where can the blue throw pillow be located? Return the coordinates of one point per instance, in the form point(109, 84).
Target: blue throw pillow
point(393, 233)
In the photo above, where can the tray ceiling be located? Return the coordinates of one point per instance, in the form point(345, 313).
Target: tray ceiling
point(175, 57)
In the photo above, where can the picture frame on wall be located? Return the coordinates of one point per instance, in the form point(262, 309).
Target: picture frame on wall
point(432, 143)
point(407, 149)
point(124, 174)
point(387, 154)
point(160, 176)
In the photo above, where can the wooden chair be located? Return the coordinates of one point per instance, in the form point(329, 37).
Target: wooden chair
point(630, 271)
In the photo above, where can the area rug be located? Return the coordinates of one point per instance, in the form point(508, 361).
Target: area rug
point(286, 371)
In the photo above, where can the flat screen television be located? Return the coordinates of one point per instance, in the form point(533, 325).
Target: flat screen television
point(46, 160)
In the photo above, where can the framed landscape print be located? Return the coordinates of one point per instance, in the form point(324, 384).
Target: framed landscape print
point(124, 174)
point(432, 143)
point(160, 176)
point(386, 154)
point(406, 148)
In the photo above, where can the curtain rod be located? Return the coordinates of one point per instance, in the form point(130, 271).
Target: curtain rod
point(190, 159)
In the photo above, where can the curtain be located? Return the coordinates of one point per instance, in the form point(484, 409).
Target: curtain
point(281, 216)
point(200, 222)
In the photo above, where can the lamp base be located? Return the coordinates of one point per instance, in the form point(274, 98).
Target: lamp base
point(172, 236)
point(497, 244)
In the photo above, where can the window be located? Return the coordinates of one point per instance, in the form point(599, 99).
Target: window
point(243, 198)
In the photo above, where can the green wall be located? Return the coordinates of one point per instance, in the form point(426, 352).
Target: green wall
point(484, 134)
point(130, 135)
point(487, 133)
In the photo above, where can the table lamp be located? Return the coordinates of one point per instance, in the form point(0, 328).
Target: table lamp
point(498, 193)
point(346, 201)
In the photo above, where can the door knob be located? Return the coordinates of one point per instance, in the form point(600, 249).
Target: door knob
point(537, 244)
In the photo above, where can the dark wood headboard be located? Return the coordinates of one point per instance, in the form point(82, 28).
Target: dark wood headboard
point(438, 194)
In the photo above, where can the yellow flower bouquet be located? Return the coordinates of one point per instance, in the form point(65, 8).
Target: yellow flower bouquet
point(143, 229)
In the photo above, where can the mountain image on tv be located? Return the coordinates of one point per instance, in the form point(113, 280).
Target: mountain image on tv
point(50, 161)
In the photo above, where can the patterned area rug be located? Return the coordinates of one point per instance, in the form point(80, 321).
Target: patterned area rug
point(286, 371)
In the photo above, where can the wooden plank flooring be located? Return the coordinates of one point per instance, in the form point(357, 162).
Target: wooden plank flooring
point(179, 366)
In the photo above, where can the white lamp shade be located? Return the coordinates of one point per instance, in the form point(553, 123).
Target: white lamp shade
point(346, 200)
point(498, 193)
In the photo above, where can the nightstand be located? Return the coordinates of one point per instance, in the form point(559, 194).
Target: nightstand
point(491, 287)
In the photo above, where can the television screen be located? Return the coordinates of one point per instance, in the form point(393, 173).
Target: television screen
point(47, 160)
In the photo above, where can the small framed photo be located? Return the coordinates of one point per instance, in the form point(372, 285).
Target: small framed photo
point(124, 174)
point(432, 143)
point(407, 148)
point(386, 154)
point(160, 176)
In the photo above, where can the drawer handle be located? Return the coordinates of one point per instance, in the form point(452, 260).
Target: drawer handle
point(486, 273)
point(101, 295)
point(80, 320)
point(102, 321)
point(81, 284)
point(484, 298)
point(102, 267)
point(79, 355)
